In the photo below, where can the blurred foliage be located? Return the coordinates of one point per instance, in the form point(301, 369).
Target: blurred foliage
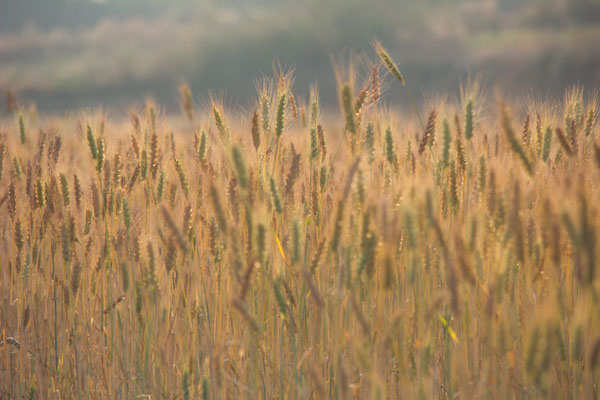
point(68, 53)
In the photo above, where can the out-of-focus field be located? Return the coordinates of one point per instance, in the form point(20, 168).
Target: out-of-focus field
point(274, 253)
point(66, 54)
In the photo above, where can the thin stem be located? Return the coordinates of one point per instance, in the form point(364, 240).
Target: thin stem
point(55, 314)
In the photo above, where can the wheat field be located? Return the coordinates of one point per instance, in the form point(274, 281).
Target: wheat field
point(281, 252)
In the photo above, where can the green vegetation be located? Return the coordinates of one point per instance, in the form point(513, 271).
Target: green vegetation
point(72, 53)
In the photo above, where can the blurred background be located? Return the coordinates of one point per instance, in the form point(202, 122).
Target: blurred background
point(65, 54)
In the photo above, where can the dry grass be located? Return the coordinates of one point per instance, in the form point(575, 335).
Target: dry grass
point(284, 256)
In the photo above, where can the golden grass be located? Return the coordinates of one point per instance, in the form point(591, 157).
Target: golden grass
point(286, 256)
